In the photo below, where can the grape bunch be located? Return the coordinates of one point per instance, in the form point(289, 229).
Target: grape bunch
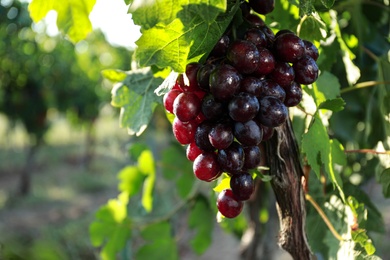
point(227, 106)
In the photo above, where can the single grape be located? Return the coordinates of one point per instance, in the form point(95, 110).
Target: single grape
point(268, 132)
point(192, 151)
point(248, 133)
point(262, 6)
point(283, 74)
point(306, 70)
point(202, 136)
point(251, 85)
point(224, 82)
point(271, 88)
point(221, 136)
point(252, 157)
point(231, 159)
point(191, 84)
point(244, 56)
point(203, 76)
point(272, 112)
point(289, 47)
point(266, 62)
point(184, 132)
point(311, 50)
point(186, 106)
point(228, 205)
point(221, 46)
point(206, 167)
point(242, 186)
point(256, 36)
point(293, 94)
point(254, 20)
point(211, 108)
point(243, 107)
point(169, 98)
point(269, 34)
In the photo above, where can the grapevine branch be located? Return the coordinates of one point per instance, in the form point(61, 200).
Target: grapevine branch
point(285, 167)
point(367, 151)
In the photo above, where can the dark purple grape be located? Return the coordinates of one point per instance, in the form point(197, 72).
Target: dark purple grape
point(186, 106)
point(202, 136)
point(269, 34)
point(289, 47)
point(306, 70)
point(184, 132)
point(283, 31)
point(266, 62)
point(231, 159)
point(228, 205)
point(224, 82)
point(293, 94)
point(272, 112)
point(245, 8)
point(271, 88)
point(211, 108)
point(268, 132)
point(206, 167)
point(243, 107)
point(203, 76)
point(251, 85)
point(311, 50)
point(262, 6)
point(248, 133)
point(283, 74)
point(252, 157)
point(191, 74)
point(221, 47)
point(244, 56)
point(255, 20)
point(221, 136)
point(256, 36)
point(242, 186)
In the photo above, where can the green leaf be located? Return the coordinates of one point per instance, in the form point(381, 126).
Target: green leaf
point(317, 147)
point(192, 34)
point(111, 227)
point(146, 166)
point(384, 179)
point(337, 151)
point(326, 87)
point(160, 243)
point(201, 219)
point(73, 16)
point(135, 95)
point(222, 185)
point(131, 179)
point(360, 236)
point(334, 105)
point(312, 28)
point(136, 149)
point(114, 75)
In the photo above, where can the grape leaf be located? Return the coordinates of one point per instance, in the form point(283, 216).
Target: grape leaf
point(384, 179)
point(131, 180)
point(312, 28)
point(201, 219)
point(327, 3)
point(136, 99)
point(326, 87)
point(73, 16)
point(318, 149)
point(222, 185)
point(334, 105)
point(111, 227)
point(114, 75)
point(192, 34)
point(160, 243)
point(146, 166)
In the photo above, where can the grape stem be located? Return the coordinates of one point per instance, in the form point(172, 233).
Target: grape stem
point(324, 217)
point(360, 85)
point(367, 151)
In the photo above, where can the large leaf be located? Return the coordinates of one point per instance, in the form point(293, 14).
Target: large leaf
point(384, 179)
point(72, 19)
point(168, 42)
point(135, 96)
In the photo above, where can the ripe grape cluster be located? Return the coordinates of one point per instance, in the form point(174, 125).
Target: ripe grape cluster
point(227, 106)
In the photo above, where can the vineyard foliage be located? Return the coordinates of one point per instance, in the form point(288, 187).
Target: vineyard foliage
point(342, 125)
